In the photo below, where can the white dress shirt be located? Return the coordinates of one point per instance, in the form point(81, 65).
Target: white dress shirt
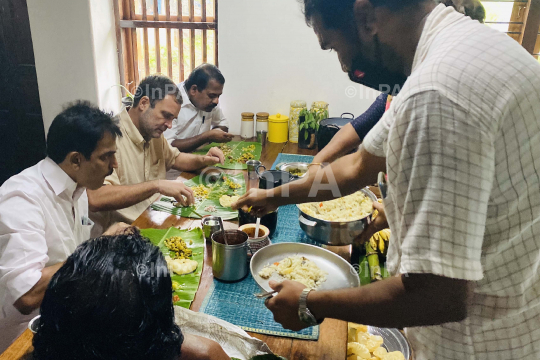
point(462, 146)
point(43, 218)
point(192, 121)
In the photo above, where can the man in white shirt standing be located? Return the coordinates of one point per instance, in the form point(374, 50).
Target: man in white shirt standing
point(201, 120)
point(461, 145)
point(44, 211)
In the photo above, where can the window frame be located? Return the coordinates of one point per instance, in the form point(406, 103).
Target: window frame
point(127, 22)
point(524, 22)
point(532, 26)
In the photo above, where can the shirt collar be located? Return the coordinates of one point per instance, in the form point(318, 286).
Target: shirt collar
point(441, 17)
point(59, 181)
point(130, 129)
point(186, 103)
point(185, 97)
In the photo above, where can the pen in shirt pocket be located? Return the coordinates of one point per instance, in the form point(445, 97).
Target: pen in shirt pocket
point(86, 221)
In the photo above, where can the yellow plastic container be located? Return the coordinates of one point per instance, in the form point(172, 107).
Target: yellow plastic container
point(278, 128)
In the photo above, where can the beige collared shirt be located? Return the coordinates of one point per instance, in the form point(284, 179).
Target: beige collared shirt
point(138, 161)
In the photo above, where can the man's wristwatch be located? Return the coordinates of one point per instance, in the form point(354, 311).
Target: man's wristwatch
point(304, 314)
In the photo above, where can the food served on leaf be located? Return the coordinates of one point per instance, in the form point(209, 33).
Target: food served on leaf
point(226, 149)
point(181, 266)
point(206, 197)
point(231, 184)
point(200, 192)
point(177, 286)
point(297, 268)
point(245, 157)
point(349, 208)
point(242, 159)
point(178, 248)
point(249, 148)
point(362, 345)
point(236, 153)
point(227, 201)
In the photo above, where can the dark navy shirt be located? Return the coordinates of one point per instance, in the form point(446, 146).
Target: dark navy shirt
point(365, 122)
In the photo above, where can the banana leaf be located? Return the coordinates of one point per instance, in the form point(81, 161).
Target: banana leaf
point(236, 153)
point(189, 282)
point(218, 189)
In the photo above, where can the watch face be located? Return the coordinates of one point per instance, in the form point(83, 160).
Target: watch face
point(306, 318)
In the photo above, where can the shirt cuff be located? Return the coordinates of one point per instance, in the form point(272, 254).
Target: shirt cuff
point(375, 139)
point(22, 283)
point(470, 271)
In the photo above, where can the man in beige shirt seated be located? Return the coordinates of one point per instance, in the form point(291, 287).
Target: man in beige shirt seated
point(144, 156)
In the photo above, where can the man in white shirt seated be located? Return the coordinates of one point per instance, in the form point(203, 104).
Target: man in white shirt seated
point(44, 211)
point(201, 120)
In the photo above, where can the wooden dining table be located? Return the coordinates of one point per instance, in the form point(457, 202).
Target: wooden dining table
point(332, 342)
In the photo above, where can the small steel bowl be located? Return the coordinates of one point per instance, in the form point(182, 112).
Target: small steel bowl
point(288, 167)
point(33, 325)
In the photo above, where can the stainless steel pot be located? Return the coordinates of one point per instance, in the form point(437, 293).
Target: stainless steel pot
point(329, 127)
point(333, 232)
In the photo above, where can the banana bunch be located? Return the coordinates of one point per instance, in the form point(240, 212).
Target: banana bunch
point(380, 240)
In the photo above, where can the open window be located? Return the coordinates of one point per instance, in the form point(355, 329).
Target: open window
point(171, 37)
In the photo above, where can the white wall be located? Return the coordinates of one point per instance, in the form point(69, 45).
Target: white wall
point(105, 55)
point(269, 57)
point(75, 53)
point(267, 53)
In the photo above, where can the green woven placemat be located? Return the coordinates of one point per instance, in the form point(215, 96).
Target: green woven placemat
point(235, 303)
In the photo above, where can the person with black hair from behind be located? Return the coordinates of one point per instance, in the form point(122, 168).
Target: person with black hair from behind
point(44, 210)
point(99, 306)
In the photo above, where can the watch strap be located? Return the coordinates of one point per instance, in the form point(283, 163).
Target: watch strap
point(303, 312)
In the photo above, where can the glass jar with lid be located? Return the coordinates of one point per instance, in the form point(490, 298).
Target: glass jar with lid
point(296, 107)
point(319, 106)
point(246, 130)
point(262, 121)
